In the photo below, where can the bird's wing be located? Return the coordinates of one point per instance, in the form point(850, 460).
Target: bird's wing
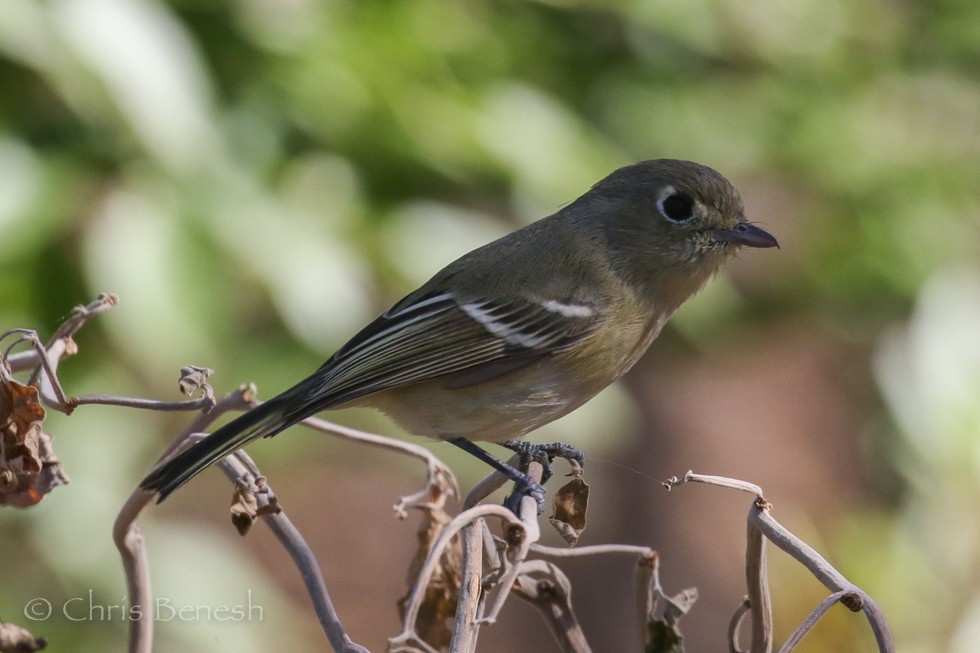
point(438, 334)
point(423, 337)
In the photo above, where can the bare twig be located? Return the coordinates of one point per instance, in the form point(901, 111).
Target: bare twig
point(720, 481)
point(47, 357)
point(464, 518)
point(811, 620)
point(41, 358)
point(647, 577)
point(518, 542)
point(60, 345)
point(762, 525)
point(476, 537)
point(760, 605)
point(518, 534)
point(191, 382)
point(647, 584)
point(735, 623)
point(129, 541)
point(802, 552)
point(547, 588)
point(466, 630)
point(204, 403)
point(596, 549)
point(240, 466)
point(79, 316)
point(826, 574)
point(472, 606)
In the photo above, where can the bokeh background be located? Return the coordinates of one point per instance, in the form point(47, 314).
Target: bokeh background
point(258, 178)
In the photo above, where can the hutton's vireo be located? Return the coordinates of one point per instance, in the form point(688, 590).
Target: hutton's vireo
point(523, 330)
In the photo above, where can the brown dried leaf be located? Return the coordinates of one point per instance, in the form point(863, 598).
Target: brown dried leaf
point(244, 508)
point(438, 610)
point(20, 410)
point(29, 468)
point(570, 503)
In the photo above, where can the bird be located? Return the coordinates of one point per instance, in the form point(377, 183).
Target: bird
point(523, 330)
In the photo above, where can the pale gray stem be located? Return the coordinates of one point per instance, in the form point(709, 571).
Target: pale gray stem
point(735, 623)
point(547, 588)
point(811, 620)
point(129, 541)
point(825, 573)
point(466, 630)
point(760, 605)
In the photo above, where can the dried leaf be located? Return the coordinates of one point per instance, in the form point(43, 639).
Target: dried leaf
point(438, 610)
point(29, 468)
point(570, 503)
point(194, 378)
point(14, 639)
point(680, 604)
point(244, 508)
point(20, 411)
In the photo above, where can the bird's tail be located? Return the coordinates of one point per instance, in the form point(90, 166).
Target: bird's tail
point(265, 420)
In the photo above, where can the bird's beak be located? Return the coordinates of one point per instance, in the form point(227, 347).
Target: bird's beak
point(746, 234)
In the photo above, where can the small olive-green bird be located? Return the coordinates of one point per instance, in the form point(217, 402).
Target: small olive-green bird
point(521, 331)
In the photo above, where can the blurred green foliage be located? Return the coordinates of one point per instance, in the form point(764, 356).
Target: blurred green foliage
point(257, 179)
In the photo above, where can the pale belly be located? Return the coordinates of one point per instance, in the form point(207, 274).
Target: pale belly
point(489, 412)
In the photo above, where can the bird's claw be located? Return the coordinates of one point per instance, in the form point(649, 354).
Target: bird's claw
point(544, 454)
point(525, 487)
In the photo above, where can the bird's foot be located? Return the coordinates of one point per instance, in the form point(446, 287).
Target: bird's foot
point(544, 454)
point(525, 487)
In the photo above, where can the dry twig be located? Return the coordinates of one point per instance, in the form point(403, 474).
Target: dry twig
point(762, 527)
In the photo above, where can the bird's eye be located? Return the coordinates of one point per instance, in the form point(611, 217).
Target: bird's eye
point(676, 207)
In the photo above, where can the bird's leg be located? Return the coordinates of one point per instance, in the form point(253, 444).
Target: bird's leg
point(544, 454)
point(524, 485)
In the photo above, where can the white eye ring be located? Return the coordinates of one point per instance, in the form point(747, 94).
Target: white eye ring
point(674, 206)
